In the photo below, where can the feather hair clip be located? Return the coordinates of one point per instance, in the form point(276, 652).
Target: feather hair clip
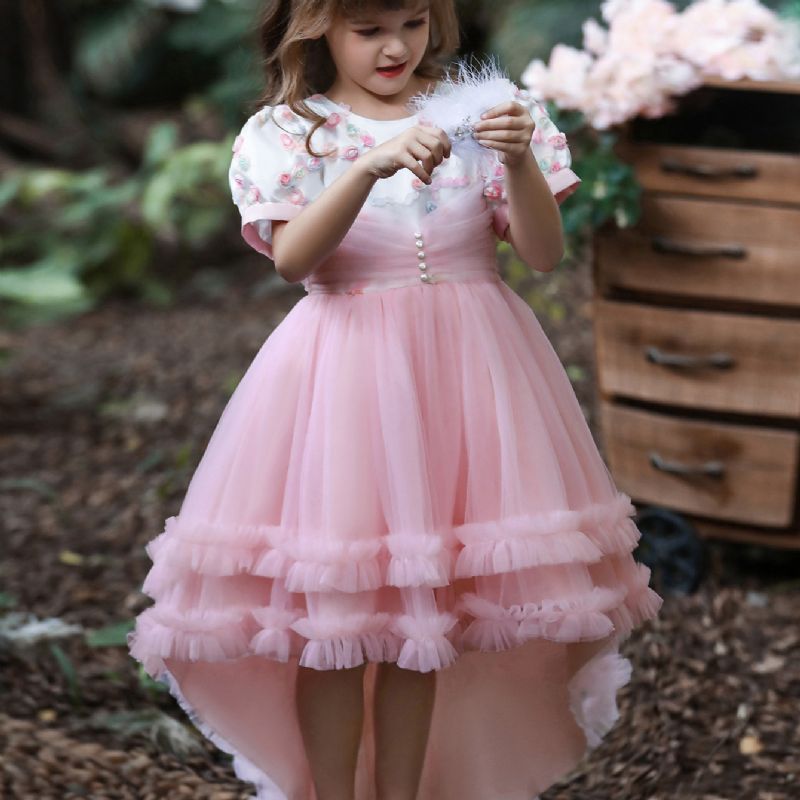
point(457, 102)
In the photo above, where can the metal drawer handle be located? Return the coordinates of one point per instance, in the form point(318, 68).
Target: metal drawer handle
point(663, 245)
point(715, 469)
point(709, 171)
point(658, 356)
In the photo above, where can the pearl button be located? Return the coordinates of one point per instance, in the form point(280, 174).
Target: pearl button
point(417, 235)
point(421, 255)
point(425, 277)
point(423, 265)
point(419, 243)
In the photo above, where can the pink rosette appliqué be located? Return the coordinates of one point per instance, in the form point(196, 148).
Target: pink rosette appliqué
point(288, 142)
point(493, 190)
point(297, 197)
point(253, 196)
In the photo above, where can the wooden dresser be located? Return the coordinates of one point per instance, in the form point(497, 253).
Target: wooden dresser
point(696, 315)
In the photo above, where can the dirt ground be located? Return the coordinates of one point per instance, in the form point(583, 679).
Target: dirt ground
point(101, 422)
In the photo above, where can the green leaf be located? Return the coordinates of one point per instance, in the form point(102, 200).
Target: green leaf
point(51, 280)
point(68, 670)
point(111, 635)
point(161, 142)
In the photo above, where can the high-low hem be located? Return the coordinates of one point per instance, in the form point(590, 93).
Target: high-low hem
point(592, 700)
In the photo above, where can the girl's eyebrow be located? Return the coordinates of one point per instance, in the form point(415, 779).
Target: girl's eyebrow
point(423, 7)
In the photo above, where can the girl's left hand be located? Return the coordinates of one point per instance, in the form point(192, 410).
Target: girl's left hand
point(507, 127)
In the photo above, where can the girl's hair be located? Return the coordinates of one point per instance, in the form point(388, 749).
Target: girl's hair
point(298, 63)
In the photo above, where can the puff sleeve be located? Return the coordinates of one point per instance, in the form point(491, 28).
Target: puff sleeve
point(272, 176)
point(550, 147)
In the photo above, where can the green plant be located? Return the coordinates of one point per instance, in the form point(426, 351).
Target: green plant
point(74, 238)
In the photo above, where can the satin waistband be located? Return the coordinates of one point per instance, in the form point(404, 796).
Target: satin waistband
point(377, 284)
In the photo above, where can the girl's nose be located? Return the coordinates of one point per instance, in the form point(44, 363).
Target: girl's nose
point(396, 49)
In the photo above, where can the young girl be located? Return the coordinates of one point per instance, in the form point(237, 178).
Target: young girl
point(402, 569)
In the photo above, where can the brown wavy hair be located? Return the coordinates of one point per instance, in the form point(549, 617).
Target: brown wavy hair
point(296, 59)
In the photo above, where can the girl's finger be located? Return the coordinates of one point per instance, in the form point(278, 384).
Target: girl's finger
point(433, 142)
point(500, 136)
point(423, 154)
point(500, 123)
point(410, 163)
point(509, 107)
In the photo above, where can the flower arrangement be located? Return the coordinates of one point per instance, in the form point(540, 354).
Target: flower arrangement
point(651, 52)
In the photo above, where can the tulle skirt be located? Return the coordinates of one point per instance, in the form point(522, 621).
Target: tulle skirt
point(406, 476)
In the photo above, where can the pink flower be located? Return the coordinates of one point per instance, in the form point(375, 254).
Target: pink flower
point(350, 153)
point(367, 139)
point(237, 143)
point(238, 180)
point(333, 120)
point(537, 137)
point(287, 112)
point(494, 191)
point(559, 141)
point(555, 167)
point(314, 163)
point(417, 183)
point(297, 197)
point(500, 170)
point(287, 141)
point(285, 179)
point(253, 195)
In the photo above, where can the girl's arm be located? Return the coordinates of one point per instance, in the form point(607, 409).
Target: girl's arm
point(539, 245)
point(530, 182)
point(302, 243)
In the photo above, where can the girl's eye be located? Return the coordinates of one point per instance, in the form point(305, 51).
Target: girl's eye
point(415, 23)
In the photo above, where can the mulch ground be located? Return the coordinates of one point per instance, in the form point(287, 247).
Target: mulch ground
point(101, 421)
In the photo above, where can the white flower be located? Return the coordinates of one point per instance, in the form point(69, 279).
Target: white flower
point(651, 54)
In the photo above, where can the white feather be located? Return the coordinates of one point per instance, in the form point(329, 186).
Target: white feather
point(457, 103)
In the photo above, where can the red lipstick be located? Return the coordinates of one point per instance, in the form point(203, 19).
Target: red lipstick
point(392, 72)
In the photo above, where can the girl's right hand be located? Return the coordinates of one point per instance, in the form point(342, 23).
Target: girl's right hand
point(419, 148)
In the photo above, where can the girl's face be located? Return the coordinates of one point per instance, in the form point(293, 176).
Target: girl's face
point(362, 49)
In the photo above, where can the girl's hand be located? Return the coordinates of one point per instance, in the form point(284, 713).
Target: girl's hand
point(507, 127)
point(420, 149)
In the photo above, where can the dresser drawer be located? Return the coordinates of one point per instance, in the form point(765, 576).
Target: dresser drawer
point(712, 172)
point(727, 472)
point(705, 248)
point(699, 359)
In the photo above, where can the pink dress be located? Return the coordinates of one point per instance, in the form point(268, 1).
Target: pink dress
point(403, 474)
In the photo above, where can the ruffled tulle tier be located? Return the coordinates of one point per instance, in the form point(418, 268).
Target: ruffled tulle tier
point(423, 644)
point(308, 561)
point(583, 548)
